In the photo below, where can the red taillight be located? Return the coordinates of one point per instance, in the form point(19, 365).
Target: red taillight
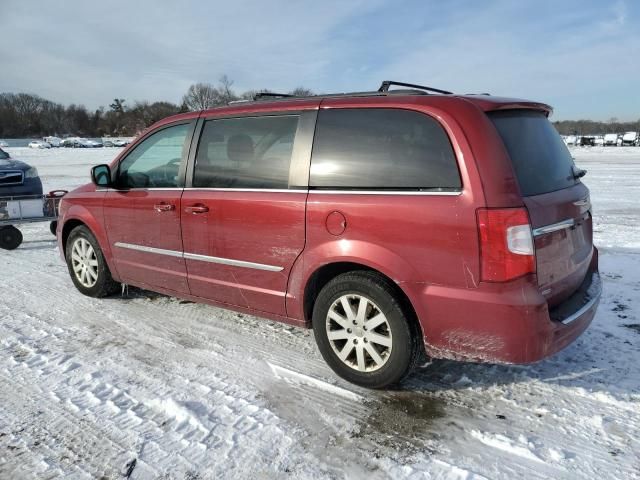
point(506, 244)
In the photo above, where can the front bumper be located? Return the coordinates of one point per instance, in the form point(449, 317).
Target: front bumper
point(505, 323)
point(31, 186)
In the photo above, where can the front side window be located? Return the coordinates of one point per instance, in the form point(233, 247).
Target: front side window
point(250, 152)
point(155, 162)
point(382, 149)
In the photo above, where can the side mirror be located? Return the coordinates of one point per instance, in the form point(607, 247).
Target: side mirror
point(101, 175)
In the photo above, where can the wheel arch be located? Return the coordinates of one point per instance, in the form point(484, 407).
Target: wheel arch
point(325, 273)
point(77, 216)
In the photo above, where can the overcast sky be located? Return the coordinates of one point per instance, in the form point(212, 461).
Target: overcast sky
point(582, 57)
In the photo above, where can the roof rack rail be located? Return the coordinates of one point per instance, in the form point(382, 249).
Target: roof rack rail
point(261, 95)
point(384, 88)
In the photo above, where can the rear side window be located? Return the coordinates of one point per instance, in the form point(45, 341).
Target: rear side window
point(374, 148)
point(540, 158)
point(251, 152)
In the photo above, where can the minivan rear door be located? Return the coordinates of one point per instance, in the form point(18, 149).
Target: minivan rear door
point(558, 203)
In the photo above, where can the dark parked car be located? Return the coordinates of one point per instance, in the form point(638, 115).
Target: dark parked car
point(17, 178)
point(391, 222)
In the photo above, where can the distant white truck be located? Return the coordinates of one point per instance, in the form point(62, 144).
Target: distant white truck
point(571, 140)
point(611, 139)
point(630, 139)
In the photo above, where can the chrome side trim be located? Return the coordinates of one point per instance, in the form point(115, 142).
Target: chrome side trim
point(234, 263)
point(577, 314)
point(142, 248)
point(136, 189)
point(266, 190)
point(554, 227)
point(384, 192)
point(202, 258)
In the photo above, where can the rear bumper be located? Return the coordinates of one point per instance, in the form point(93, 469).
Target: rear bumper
point(505, 323)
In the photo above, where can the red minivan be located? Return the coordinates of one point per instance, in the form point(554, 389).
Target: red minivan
point(393, 222)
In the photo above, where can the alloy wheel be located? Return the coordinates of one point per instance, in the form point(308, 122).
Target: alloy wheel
point(359, 333)
point(84, 262)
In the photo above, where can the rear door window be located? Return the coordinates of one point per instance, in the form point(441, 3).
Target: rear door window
point(540, 158)
point(249, 152)
point(382, 149)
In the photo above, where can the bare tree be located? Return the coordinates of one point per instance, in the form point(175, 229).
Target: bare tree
point(226, 95)
point(201, 96)
point(301, 92)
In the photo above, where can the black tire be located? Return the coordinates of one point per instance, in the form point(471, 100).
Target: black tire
point(405, 347)
point(10, 237)
point(53, 226)
point(104, 285)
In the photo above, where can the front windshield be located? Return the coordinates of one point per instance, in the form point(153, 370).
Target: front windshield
point(3, 155)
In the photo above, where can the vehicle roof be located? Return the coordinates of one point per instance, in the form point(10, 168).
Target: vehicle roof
point(391, 99)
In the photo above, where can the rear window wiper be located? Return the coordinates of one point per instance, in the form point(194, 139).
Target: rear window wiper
point(578, 172)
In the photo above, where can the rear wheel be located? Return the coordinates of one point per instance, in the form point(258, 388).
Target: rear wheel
point(363, 330)
point(10, 237)
point(86, 264)
point(53, 227)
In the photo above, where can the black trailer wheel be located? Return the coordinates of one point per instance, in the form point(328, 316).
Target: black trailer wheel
point(10, 237)
point(53, 226)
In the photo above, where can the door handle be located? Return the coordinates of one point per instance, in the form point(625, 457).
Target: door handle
point(164, 207)
point(195, 209)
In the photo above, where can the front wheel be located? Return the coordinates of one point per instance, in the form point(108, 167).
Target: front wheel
point(363, 330)
point(87, 266)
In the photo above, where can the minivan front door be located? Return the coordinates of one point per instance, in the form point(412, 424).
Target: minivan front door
point(243, 220)
point(142, 214)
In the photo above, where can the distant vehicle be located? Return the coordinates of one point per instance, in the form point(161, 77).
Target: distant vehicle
point(3, 144)
point(630, 139)
point(115, 142)
point(588, 141)
point(94, 144)
point(39, 144)
point(571, 140)
point(70, 142)
point(78, 142)
point(599, 140)
point(611, 139)
point(53, 141)
point(17, 178)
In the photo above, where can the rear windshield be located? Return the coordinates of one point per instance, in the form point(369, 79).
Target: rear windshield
point(540, 158)
point(3, 155)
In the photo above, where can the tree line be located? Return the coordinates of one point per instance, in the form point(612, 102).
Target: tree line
point(590, 127)
point(27, 115)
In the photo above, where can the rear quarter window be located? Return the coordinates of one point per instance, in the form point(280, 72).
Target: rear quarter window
point(540, 159)
point(382, 149)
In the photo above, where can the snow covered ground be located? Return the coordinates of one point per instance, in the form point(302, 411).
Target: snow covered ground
point(148, 386)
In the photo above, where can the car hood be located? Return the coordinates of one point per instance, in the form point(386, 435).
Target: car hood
point(12, 164)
